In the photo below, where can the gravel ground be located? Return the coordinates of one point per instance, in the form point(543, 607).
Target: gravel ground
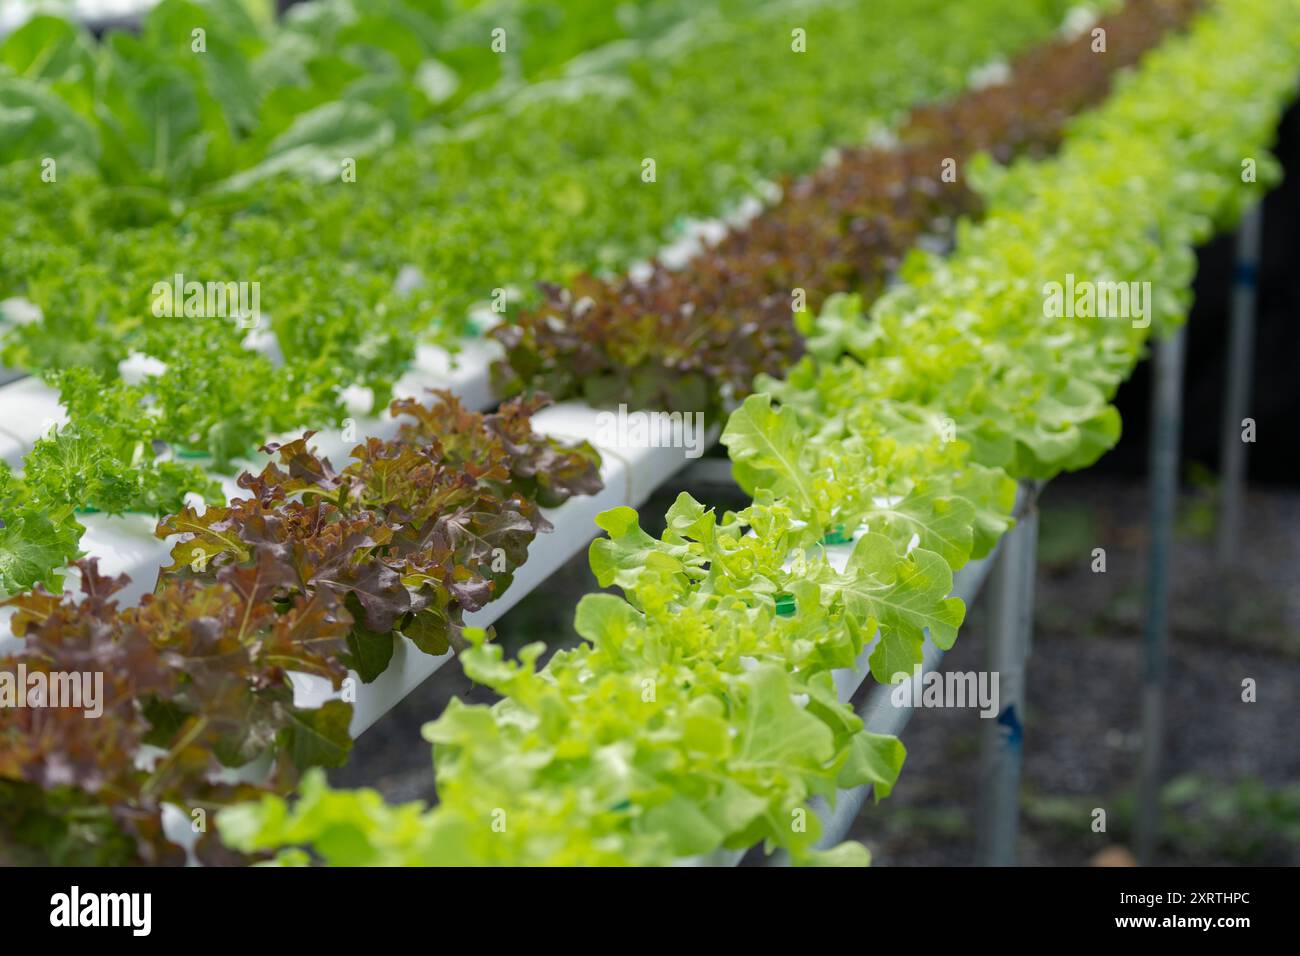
point(1238, 766)
point(1081, 727)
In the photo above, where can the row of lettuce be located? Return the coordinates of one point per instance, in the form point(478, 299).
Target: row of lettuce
point(586, 170)
point(699, 713)
point(210, 95)
point(371, 554)
point(698, 337)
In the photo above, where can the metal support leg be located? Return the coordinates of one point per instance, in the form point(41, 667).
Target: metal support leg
point(1166, 415)
point(1236, 402)
point(1011, 619)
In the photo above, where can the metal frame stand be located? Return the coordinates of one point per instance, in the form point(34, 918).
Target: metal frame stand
point(1166, 416)
point(1011, 620)
point(1236, 403)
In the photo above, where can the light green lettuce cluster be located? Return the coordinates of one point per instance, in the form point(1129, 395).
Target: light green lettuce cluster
point(699, 713)
point(972, 340)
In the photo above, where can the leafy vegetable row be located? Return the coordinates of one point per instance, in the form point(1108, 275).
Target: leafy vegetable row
point(548, 184)
point(108, 457)
point(700, 712)
point(210, 97)
point(316, 572)
point(696, 337)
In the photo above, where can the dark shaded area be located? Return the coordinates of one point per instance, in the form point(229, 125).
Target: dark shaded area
point(1233, 767)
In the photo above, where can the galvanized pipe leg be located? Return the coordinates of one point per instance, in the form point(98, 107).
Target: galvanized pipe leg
point(1166, 415)
point(1011, 618)
point(1236, 401)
